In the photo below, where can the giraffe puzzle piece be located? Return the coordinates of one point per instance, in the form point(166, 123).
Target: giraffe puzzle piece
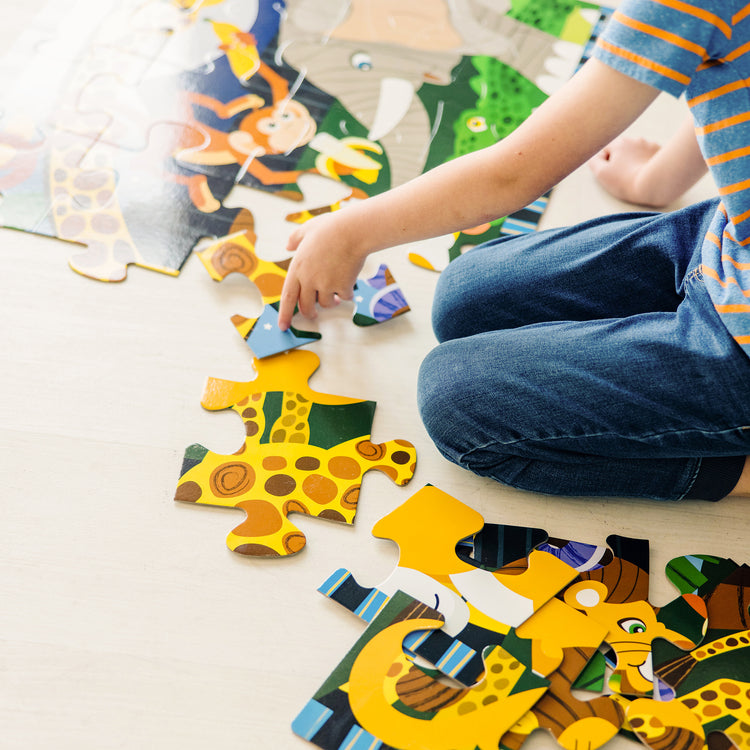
point(304, 452)
point(376, 299)
point(377, 696)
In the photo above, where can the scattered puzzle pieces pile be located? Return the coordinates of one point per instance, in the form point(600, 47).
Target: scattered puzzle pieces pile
point(507, 626)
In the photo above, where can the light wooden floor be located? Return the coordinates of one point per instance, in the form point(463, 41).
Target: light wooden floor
point(124, 620)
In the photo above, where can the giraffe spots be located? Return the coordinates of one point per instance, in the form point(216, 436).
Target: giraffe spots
point(274, 463)
point(732, 704)
point(251, 429)
point(400, 457)
point(257, 550)
point(343, 467)
point(350, 498)
point(711, 711)
point(394, 670)
point(709, 695)
point(249, 413)
point(87, 181)
point(332, 515)
point(263, 518)
point(72, 226)
point(371, 451)
point(231, 257)
point(189, 492)
point(293, 542)
point(307, 463)
point(280, 485)
point(294, 506)
point(231, 479)
point(270, 284)
point(105, 223)
point(319, 489)
point(729, 688)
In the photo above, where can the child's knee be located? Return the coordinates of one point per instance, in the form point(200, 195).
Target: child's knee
point(436, 399)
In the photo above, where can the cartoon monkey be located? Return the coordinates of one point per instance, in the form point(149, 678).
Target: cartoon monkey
point(278, 128)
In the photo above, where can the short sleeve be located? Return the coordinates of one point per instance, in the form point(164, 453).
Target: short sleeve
point(664, 42)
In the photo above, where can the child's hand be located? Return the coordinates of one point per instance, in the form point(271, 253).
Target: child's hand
point(323, 271)
point(619, 166)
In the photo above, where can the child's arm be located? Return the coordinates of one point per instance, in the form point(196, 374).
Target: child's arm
point(566, 131)
point(638, 171)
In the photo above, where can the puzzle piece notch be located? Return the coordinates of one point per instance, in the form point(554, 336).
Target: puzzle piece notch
point(300, 455)
point(378, 694)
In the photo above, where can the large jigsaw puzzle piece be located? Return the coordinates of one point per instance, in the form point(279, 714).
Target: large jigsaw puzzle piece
point(481, 607)
point(377, 696)
point(304, 452)
point(708, 687)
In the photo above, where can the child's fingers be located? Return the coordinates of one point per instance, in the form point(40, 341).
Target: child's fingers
point(288, 301)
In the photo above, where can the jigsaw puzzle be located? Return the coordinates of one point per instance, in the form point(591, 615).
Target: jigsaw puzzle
point(145, 116)
point(571, 604)
point(304, 452)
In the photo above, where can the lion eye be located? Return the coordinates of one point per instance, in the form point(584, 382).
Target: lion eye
point(632, 625)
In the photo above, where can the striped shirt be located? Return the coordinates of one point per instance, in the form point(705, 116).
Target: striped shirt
point(702, 48)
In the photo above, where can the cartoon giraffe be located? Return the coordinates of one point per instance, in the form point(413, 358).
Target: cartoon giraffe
point(304, 452)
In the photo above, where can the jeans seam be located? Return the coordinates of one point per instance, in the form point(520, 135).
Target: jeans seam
point(498, 443)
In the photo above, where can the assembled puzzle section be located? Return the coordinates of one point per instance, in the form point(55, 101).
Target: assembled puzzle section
point(144, 117)
point(304, 452)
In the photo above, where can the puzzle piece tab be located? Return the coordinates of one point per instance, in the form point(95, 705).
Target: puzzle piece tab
point(304, 452)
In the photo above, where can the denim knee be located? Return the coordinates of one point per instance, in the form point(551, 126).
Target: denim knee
point(434, 401)
point(448, 294)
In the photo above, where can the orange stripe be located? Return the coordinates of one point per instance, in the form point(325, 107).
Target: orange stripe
point(735, 53)
point(704, 15)
point(728, 89)
point(741, 16)
point(741, 217)
point(732, 309)
point(644, 62)
point(742, 339)
point(707, 271)
point(736, 264)
point(727, 122)
point(711, 237)
point(735, 188)
point(728, 156)
point(666, 36)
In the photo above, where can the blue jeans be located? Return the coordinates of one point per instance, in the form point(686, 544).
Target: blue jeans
point(589, 361)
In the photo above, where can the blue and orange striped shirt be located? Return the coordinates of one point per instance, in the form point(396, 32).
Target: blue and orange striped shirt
point(702, 49)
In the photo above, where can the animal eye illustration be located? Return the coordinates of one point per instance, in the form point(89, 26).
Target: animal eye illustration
point(476, 124)
point(632, 625)
point(361, 61)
